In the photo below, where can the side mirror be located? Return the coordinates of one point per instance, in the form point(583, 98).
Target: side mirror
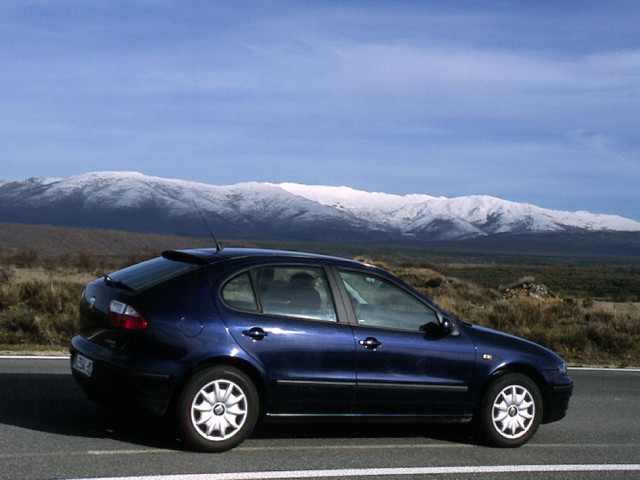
point(432, 330)
point(448, 327)
point(443, 328)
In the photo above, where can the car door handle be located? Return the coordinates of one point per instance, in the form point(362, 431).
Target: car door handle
point(370, 343)
point(255, 333)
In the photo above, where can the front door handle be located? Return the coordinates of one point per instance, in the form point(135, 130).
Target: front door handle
point(255, 333)
point(370, 343)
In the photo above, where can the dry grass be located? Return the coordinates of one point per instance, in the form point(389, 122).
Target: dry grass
point(583, 332)
point(39, 311)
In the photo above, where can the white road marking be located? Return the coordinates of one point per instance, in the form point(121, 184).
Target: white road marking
point(367, 472)
point(397, 446)
point(604, 369)
point(34, 357)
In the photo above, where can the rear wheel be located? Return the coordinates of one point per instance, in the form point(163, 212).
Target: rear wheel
point(217, 409)
point(511, 411)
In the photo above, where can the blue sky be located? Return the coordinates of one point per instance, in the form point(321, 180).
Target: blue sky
point(533, 101)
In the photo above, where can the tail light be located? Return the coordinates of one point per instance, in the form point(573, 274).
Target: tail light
point(125, 316)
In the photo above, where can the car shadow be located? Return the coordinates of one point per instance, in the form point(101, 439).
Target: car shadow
point(401, 430)
point(54, 403)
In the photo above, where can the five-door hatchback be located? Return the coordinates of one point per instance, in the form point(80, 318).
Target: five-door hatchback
point(223, 338)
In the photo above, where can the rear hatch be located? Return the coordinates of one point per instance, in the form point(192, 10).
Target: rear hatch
point(112, 307)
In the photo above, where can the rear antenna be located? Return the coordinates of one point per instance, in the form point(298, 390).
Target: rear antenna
point(218, 247)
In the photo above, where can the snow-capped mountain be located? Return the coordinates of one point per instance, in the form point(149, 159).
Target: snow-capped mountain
point(483, 215)
point(132, 201)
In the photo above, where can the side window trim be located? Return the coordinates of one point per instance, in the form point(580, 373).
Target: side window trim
point(341, 296)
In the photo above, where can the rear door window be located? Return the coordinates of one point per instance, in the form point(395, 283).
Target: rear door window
point(238, 293)
point(290, 291)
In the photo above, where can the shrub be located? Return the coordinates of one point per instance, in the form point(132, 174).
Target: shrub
point(5, 276)
point(606, 338)
point(4, 259)
point(38, 312)
point(27, 257)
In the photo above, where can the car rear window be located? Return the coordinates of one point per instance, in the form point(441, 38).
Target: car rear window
point(153, 272)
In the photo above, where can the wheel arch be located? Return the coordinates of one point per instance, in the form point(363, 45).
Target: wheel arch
point(244, 366)
point(520, 368)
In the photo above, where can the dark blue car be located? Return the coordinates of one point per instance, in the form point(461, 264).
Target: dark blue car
point(223, 338)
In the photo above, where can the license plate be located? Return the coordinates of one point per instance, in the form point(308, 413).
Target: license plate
point(83, 365)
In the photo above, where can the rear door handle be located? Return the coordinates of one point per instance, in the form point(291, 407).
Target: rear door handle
point(370, 343)
point(255, 333)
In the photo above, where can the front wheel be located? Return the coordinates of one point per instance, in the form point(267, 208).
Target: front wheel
point(510, 411)
point(217, 409)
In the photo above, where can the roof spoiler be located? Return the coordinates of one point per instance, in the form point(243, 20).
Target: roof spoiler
point(184, 257)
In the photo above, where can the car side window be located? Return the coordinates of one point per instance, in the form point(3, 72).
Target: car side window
point(287, 291)
point(238, 293)
point(294, 292)
point(380, 303)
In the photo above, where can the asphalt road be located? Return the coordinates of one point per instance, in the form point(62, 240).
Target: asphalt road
point(49, 430)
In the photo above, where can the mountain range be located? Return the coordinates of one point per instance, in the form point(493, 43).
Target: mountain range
point(132, 201)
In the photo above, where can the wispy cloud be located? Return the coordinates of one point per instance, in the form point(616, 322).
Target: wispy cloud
point(533, 101)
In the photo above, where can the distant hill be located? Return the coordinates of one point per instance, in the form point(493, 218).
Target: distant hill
point(50, 241)
point(129, 201)
point(567, 244)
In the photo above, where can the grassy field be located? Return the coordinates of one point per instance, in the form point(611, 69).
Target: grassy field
point(586, 310)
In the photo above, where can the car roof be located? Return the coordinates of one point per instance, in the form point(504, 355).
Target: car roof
point(206, 256)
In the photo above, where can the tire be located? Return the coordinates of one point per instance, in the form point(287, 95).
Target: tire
point(217, 409)
point(510, 411)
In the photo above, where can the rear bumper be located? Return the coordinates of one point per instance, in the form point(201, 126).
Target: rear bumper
point(116, 381)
